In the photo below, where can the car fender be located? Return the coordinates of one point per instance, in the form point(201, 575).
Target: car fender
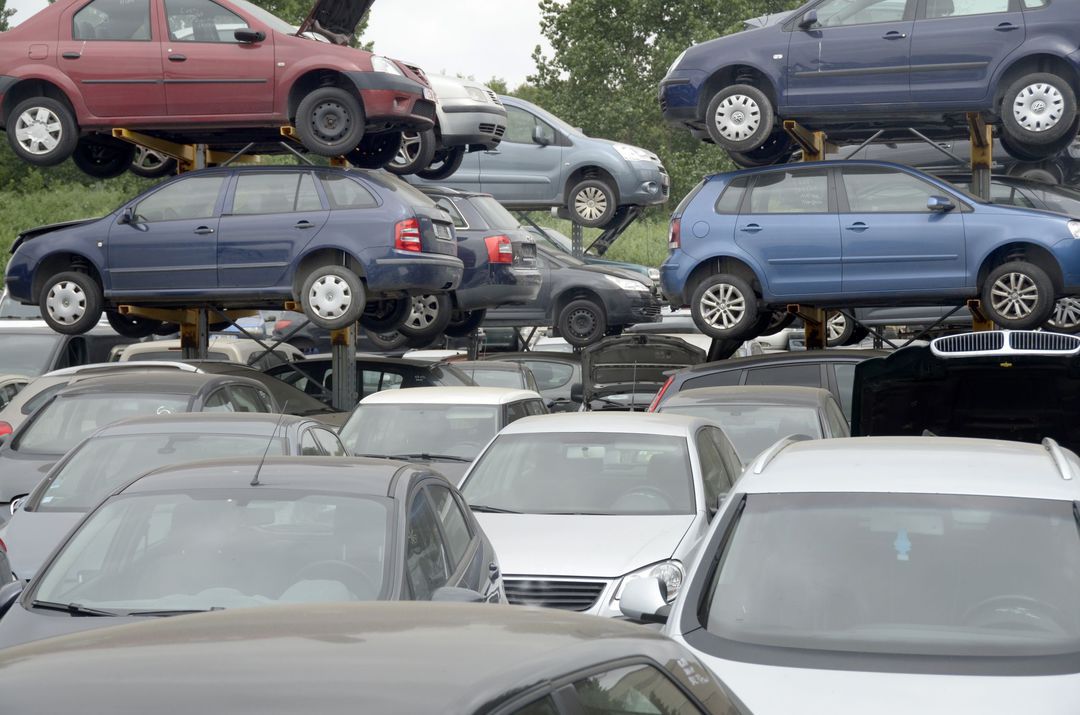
point(759, 273)
point(318, 62)
point(592, 158)
point(55, 77)
point(1040, 45)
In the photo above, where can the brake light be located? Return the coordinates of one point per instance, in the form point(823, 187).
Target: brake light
point(3, 547)
point(407, 235)
point(500, 249)
point(675, 237)
point(5, 429)
point(660, 395)
point(282, 325)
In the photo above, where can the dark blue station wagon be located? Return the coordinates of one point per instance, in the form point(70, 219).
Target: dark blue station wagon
point(340, 242)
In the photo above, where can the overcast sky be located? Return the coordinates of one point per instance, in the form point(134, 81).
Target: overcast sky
point(470, 38)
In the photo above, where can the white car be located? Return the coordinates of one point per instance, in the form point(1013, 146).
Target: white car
point(580, 504)
point(220, 347)
point(890, 575)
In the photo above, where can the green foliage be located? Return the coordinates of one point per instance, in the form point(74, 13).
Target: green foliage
point(644, 242)
point(5, 15)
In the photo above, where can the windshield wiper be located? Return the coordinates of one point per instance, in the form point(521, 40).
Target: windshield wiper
point(72, 608)
point(174, 612)
point(491, 509)
point(428, 457)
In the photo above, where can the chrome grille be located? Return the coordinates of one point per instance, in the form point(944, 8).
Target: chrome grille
point(569, 595)
point(1005, 342)
point(1039, 341)
point(970, 342)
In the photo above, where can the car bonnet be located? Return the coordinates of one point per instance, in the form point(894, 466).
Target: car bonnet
point(634, 363)
point(335, 19)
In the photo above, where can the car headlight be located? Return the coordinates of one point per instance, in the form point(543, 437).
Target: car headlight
point(627, 284)
point(654, 275)
point(478, 94)
point(633, 153)
point(382, 64)
point(676, 62)
point(1074, 228)
point(669, 572)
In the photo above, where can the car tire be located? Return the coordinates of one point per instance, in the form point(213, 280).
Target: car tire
point(375, 151)
point(582, 322)
point(591, 203)
point(103, 157)
point(392, 340)
point(52, 144)
point(150, 164)
point(132, 326)
point(1037, 110)
point(839, 329)
point(330, 122)
point(415, 152)
point(778, 320)
point(1018, 295)
point(777, 149)
point(1045, 172)
point(464, 322)
point(333, 297)
point(724, 306)
point(71, 302)
point(1066, 316)
point(428, 316)
point(740, 118)
point(166, 330)
point(445, 163)
point(385, 315)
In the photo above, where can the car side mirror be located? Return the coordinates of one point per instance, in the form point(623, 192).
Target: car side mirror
point(9, 593)
point(248, 36)
point(577, 392)
point(539, 137)
point(126, 216)
point(643, 600)
point(809, 19)
point(940, 203)
point(450, 594)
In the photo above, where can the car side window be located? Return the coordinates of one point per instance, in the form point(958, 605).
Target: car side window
point(425, 555)
point(806, 375)
point(723, 378)
point(329, 442)
point(449, 207)
point(248, 399)
point(454, 524)
point(1035, 4)
point(373, 381)
point(344, 193)
point(535, 407)
point(201, 21)
point(113, 20)
point(515, 411)
point(874, 189)
point(632, 689)
point(520, 125)
point(790, 192)
point(543, 706)
point(713, 474)
point(845, 383)
point(838, 13)
point(280, 192)
point(309, 447)
point(550, 375)
point(190, 198)
point(729, 201)
point(218, 402)
point(957, 8)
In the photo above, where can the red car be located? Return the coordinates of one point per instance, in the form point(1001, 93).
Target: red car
point(223, 72)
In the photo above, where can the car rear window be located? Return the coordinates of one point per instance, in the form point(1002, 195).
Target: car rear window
point(406, 192)
point(494, 213)
point(344, 193)
point(687, 199)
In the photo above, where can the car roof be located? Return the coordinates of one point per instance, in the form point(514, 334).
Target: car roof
point(782, 357)
point(447, 191)
point(570, 358)
point(930, 465)
point(243, 346)
point(608, 421)
point(114, 367)
point(449, 395)
point(371, 359)
point(824, 164)
point(150, 381)
point(258, 423)
point(488, 365)
point(751, 395)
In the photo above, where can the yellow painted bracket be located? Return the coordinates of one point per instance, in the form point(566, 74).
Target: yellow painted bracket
point(814, 144)
point(186, 155)
point(814, 326)
point(183, 316)
point(343, 336)
point(982, 141)
point(979, 321)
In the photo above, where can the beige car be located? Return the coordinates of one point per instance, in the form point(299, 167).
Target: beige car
point(221, 347)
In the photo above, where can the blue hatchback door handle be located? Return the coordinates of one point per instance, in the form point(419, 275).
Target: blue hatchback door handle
point(1006, 27)
point(858, 226)
point(894, 35)
point(203, 231)
point(750, 228)
point(304, 224)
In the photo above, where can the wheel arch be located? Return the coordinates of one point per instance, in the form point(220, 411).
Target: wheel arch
point(316, 78)
point(1035, 62)
point(35, 87)
point(715, 265)
point(740, 73)
point(572, 293)
point(323, 256)
point(590, 171)
point(60, 262)
point(1020, 250)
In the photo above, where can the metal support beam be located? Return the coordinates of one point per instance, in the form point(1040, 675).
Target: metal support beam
point(814, 144)
point(343, 364)
point(188, 156)
point(982, 154)
point(979, 321)
point(814, 326)
point(577, 240)
point(722, 349)
point(195, 337)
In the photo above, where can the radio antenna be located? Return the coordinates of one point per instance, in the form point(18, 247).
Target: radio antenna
point(269, 443)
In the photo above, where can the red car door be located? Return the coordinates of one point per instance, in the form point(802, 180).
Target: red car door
point(111, 51)
point(208, 72)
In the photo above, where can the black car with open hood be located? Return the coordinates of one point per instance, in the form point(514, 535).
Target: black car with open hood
point(1015, 385)
point(625, 372)
point(336, 20)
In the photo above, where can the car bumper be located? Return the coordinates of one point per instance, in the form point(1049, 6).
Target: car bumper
point(467, 122)
point(18, 280)
point(413, 273)
point(1067, 253)
point(673, 280)
point(626, 307)
point(679, 96)
point(393, 102)
point(645, 185)
point(505, 285)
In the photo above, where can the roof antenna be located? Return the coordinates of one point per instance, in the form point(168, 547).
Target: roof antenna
point(281, 418)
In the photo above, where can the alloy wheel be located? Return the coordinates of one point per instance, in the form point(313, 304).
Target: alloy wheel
point(38, 130)
point(330, 297)
point(148, 159)
point(66, 302)
point(1014, 295)
point(425, 310)
point(1066, 314)
point(737, 117)
point(835, 326)
point(409, 149)
point(1039, 107)
point(590, 203)
point(723, 306)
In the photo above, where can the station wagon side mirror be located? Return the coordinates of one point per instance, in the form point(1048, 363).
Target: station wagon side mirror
point(126, 216)
point(249, 36)
point(577, 392)
point(539, 137)
point(940, 203)
point(643, 600)
point(809, 19)
point(450, 594)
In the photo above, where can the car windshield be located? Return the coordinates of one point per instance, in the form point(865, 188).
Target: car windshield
point(22, 354)
point(493, 213)
point(398, 429)
point(608, 473)
point(494, 377)
point(103, 464)
point(448, 376)
point(66, 421)
point(754, 428)
point(222, 548)
point(274, 22)
point(912, 574)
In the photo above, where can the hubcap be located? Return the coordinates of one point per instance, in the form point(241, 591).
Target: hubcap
point(582, 323)
point(425, 309)
point(330, 121)
point(66, 303)
point(38, 130)
point(330, 297)
point(590, 203)
point(723, 306)
point(1014, 295)
point(835, 326)
point(1066, 314)
point(1038, 107)
point(737, 117)
point(409, 149)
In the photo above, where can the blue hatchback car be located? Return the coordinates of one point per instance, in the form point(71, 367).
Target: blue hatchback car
point(852, 67)
point(345, 244)
point(858, 233)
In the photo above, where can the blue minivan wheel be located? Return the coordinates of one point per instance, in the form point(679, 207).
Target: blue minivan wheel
point(724, 306)
point(740, 118)
point(1018, 295)
point(1036, 111)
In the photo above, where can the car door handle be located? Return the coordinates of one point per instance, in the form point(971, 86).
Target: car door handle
point(894, 35)
point(1006, 27)
point(858, 226)
point(177, 58)
point(493, 151)
point(750, 228)
point(303, 224)
point(203, 231)
point(71, 55)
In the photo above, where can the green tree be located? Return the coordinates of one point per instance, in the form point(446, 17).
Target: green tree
point(5, 15)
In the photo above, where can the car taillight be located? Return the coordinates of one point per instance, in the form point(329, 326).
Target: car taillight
point(660, 395)
point(5, 429)
point(282, 325)
point(675, 238)
point(407, 235)
point(3, 546)
point(500, 249)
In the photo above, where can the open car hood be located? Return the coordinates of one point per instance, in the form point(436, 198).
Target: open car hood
point(1014, 385)
point(634, 363)
point(336, 20)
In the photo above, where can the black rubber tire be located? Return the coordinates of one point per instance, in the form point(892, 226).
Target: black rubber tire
point(340, 279)
point(777, 149)
point(416, 151)
point(1046, 172)
point(151, 165)
point(385, 315)
point(375, 151)
point(464, 322)
point(1072, 324)
point(330, 121)
point(582, 322)
point(778, 320)
point(103, 157)
point(84, 291)
point(132, 326)
point(740, 330)
point(166, 330)
point(1039, 153)
point(1037, 143)
point(1045, 298)
point(754, 140)
point(844, 335)
point(390, 341)
point(427, 327)
point(592, 191)
point(66, 142)
point(445, 163)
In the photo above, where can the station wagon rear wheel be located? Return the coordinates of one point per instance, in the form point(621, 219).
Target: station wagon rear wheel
point(1036, 111)
point(333, 297)
point(464, 322)
point(724, 306)
point(330, 121)
point(71, 302)
point(42, 131)
point(740, 118)
point(429, 316)
point(1066, 316)
point(103, 157)
point(1018, 295)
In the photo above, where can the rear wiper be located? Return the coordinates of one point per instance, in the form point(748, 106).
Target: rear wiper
point(72, 608)
point(174, 612)
point(491, 509)
point(428, 457)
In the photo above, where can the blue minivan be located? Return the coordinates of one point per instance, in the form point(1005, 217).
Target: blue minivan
point(345, 244)
point(852, 67)
point(860, 233)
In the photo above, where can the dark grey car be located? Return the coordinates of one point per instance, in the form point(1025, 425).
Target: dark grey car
point(556, 374)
